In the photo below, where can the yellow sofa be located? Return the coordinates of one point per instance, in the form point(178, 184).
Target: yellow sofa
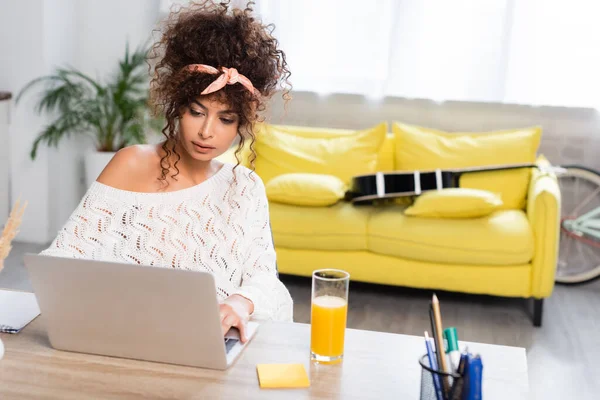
point(511, 252)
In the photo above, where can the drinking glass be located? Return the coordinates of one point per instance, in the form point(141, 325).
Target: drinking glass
point(329, 311)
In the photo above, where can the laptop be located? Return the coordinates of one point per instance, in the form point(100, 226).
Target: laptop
point(132, 311)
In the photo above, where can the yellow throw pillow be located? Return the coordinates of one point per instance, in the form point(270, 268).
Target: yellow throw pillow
point(280, 151)
point(455, 203)
point(306, 189)
point(419, 148)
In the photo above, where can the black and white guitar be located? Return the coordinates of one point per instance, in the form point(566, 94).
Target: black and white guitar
point(386, 185)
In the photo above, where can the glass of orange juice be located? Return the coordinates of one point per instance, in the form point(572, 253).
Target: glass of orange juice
point(329, 310)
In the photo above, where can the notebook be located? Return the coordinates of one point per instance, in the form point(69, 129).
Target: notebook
point(17, 309)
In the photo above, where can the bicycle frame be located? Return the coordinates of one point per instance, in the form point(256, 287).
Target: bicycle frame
point(588, 224)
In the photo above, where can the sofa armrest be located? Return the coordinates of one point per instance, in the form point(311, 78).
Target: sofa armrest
point(543, 212)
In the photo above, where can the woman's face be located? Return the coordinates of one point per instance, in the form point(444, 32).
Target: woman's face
point(207, 128)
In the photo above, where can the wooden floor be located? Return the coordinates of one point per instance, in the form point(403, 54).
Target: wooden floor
point(562, 355)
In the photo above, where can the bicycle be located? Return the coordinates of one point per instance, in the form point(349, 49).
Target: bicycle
point(579, 250)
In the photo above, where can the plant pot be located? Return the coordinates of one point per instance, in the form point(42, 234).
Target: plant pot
point(94, 164)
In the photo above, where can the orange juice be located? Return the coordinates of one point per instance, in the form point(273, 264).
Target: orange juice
point(328, 325)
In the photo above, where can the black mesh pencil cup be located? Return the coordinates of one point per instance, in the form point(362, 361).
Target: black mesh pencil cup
point(428, 387)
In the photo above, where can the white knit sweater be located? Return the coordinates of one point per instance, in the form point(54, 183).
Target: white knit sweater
point(220, 226)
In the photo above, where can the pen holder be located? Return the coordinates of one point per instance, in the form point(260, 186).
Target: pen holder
point(428, 375)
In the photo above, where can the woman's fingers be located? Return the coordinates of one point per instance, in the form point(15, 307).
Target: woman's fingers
point(242, 328)
point(227, 322)
point(230, 318)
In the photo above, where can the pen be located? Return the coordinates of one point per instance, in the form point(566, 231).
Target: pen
point(452, 347)
point(457, 387)
point(433, 364)
point(472, 384)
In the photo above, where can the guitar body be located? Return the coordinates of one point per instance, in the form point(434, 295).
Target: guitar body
point(398, 184)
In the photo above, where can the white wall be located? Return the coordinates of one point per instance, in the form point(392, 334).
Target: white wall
point(103, 27)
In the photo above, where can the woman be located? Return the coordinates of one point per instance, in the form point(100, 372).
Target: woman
point(173, 204)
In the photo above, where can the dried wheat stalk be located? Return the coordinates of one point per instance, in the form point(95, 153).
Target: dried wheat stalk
point(10, 230)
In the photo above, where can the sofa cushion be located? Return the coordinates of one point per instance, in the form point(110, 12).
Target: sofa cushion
point(455, 203)
point(338, 227)
point(281, 150)
point(420, 148)
point(501, 238)
point(299, 189)
point(385, 158)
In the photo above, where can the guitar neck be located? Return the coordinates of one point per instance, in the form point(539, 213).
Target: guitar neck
point(505, 167)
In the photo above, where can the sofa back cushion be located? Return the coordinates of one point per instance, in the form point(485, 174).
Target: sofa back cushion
point(420, 148)
point(342, 153)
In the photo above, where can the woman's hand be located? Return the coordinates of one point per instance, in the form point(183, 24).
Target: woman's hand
point(235, 312)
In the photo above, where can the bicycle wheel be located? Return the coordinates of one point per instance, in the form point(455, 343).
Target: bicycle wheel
point(579, 251)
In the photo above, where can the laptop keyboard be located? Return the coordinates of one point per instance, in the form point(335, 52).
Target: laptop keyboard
point(229, 343)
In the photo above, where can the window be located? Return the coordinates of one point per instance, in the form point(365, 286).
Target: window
point(518, 51)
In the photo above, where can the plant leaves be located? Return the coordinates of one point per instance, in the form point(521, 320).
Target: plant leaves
point(66, 124)
point(116, 112)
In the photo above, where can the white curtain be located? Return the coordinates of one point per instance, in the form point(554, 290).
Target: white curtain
point(555, 53)
point(435, 49)
point(541, 52)
point(518, 51)
point(333, 46)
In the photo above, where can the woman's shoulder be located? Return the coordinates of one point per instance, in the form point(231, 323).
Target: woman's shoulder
point(131, 168)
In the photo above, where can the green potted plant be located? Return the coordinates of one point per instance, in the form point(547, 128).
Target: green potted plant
point(114, 114)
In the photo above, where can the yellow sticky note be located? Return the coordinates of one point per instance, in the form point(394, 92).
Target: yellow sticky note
point(282, 376)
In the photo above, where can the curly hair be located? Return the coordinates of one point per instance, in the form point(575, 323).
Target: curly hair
point(217, 35)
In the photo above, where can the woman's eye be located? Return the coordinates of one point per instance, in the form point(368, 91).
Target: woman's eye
point(227, 121)
point(195, 113)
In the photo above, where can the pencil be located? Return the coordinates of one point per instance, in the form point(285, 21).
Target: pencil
point(439, 342)
point(439, 354)
point(433, 329)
